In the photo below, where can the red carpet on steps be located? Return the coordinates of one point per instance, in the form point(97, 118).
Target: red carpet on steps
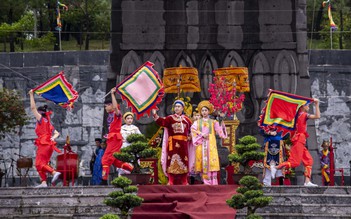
point(193, 201)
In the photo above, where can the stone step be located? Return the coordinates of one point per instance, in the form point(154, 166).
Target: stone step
point(56, 209)
point(294, 216)
point(87, 202)
point(54, 216)
point(307, 190)
point(94, 190)
point(327, 209)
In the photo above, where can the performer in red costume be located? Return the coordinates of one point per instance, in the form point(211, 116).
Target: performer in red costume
point(175, 157)
point(45, 142)
point(298, 151)
point(114, 139)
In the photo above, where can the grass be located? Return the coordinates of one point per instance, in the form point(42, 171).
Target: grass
point(66, 45)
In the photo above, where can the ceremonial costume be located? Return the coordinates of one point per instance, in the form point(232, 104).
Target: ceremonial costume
point(206, 154)
point(97, 168)
point(298, 151)
point(325, 166)
point(175, 156)
point(204, 140)
point(127, 130)
point(46, 146)
point(114, 144)
point(273, 157)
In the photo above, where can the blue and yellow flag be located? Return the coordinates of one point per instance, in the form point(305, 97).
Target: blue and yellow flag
point(58, 90)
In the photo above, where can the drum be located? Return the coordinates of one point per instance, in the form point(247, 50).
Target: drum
point(71, 165)
point(24, 162)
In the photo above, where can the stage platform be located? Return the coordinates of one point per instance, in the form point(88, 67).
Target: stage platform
point(193, 201)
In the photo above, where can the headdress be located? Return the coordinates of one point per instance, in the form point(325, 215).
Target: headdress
point(179, 102)
point(207, 104)
point(127, 114)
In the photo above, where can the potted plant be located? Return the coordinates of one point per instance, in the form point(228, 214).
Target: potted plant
point(138, 148)
point(246, 154)
point(124, 199)
point(250, 196)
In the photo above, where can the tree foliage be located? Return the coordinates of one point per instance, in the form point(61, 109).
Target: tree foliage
point(318, 24)
point(139, 148)
point(12, 113)
point(124, 199)
point(250, 196)
point(85, 20)
point(247, 150)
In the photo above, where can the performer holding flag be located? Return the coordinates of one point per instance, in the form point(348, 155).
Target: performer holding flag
point(45, 142)
point(287, 113)
point(114, 139)
point(299, 151)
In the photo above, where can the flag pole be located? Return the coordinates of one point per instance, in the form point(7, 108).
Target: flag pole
point(105, 95)
point(60, 39)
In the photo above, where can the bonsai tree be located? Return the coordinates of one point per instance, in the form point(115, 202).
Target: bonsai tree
point(250, 196)
point(12, 113)
point(247, 151)
point(124, 199)
point(139, 148)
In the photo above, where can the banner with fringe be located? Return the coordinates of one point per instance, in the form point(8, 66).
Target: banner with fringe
point(280, 112)
point(58, 90)
point(142, 90)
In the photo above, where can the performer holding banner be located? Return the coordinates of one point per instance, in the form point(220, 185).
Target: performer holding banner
point(114, 138)
point(175, 156)
point(299, 151)
point(287, 113)
point(45, 142)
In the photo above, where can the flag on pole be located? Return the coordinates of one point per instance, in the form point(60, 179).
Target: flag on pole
point(142, 90)
point(58, 15)
point(280, 112)
point(58, 90)
point(332, 25)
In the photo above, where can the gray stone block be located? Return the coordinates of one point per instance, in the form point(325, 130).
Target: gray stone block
point(275, 12)
point(16, 59)
point(276, 33)
point(230, 37)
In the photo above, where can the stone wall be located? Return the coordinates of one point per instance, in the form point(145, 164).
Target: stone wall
point(87, 71)
point(330, 72)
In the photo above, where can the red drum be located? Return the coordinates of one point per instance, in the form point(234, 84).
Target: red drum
point(24, 162)
point(71, 165)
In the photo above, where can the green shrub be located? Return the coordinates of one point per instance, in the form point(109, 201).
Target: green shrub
point(139, 148)
point(110, 216)
point(246, 151)
point(250, 196)
point(12, 113)
point(124, 199)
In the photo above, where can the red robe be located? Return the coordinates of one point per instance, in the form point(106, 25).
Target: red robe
point(298, 151)
point(175, 159)
point(114, 144)
point(44, 130)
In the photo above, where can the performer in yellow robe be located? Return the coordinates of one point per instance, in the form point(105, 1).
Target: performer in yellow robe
point(204, 140)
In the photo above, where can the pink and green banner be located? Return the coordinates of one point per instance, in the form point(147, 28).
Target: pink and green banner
point(142, 90)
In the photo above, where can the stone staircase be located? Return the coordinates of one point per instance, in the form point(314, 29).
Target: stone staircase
point(298, 202)
point(54, 202)
point(87, 202)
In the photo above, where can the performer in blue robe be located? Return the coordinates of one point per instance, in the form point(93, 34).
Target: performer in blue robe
point(97, 169)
